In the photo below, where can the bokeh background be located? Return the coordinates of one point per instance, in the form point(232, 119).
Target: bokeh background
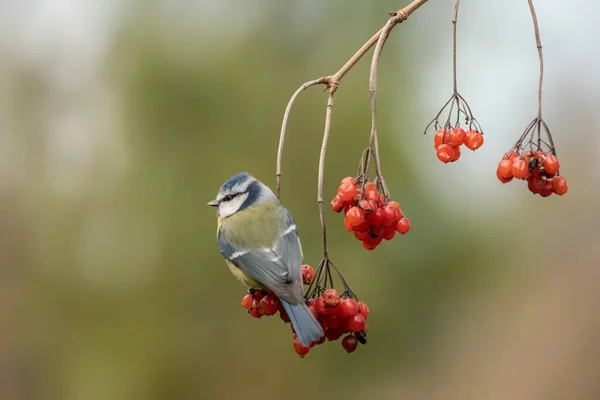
point(120, 120)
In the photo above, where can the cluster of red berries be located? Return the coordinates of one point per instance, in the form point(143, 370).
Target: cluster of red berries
point(337, 315)
point(260, 303)
point(370, 216)
point(540, 170)
point(447, 143)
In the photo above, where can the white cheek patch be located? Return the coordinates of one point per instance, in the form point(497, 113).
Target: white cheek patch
point(227, 208)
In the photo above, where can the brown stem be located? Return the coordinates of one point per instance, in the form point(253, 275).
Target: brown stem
point(322, 172)
point(374, 140)
point(541, 55)
point(286, 115)
point(454, 19)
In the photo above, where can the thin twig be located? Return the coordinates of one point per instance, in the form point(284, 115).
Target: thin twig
point(322, 171)
point(286, 115)
point(539, 47)
point(374, 140)
point(454, 19)
point(332, 81)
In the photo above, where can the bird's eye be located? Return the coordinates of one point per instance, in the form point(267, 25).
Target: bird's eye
point(230, 197)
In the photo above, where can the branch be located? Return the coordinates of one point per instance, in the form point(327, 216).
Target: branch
point(322, 172)
point(332, 81)
point(454, 19)
point(374, 140)
point(539, 47)
point(286, 115)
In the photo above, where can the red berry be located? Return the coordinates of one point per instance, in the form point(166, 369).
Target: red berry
point(320, 306)
point(348, 179)
point(540, 155)
point(349, 343)
point(376, 231)
point(364, 227)
point(510, 155)
point(391, 214)
point(254, 308)
point(441, 136)
point(362, 235)
point(348, 308)
point(366, 205)
point(347, 225)
point(456, 137)
point(298, 348)
point(363, 309)
point(551, 164)
point(536, 183)
point(372, 195)
point(546, 190)
point(370, 186)
point(334, 321)
point(269, 305)
point(403, 225)
point(347, 192)
point(502, 179)
point(445, 153)
point(559, 185)
point(473, 140)
point(247, 301)
point(377, 217)
point(355, 216)
point(333, 334)
point(337, 203)
point(356, 323)
point(390, 232)
point(519, 169)
point(456, 154)
point(308, 273)
point(394, 204)
point(313, 311)
point(371, 243)
point(505, 168)
point(331, 297)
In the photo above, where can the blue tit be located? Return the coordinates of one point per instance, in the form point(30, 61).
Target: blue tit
point(258, 239)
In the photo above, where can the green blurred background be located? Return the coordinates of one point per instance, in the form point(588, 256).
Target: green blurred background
point(120, 120)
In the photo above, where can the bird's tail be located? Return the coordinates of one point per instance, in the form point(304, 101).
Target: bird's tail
point(305, 324)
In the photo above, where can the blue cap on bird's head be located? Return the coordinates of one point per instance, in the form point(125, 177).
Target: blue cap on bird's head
point(239, 192)
point(237, 179)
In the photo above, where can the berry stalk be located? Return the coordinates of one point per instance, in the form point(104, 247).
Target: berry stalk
point(538, 42)
point(454, 19)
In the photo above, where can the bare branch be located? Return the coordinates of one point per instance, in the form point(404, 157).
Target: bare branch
point(286, 115)
point(541, 55)
point(322, 172)
point(454, 19)
point(332, 81)
point(374, 140)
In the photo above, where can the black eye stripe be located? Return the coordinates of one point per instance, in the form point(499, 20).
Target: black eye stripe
point(230, 197)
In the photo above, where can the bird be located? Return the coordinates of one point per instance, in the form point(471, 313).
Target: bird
point(258, 238)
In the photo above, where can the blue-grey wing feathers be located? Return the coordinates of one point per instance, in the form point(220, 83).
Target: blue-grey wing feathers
point(278, 268)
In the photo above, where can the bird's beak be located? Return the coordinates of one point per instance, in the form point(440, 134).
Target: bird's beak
point(213, 203)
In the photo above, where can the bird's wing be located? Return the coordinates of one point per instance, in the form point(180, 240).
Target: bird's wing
point(278, 268)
